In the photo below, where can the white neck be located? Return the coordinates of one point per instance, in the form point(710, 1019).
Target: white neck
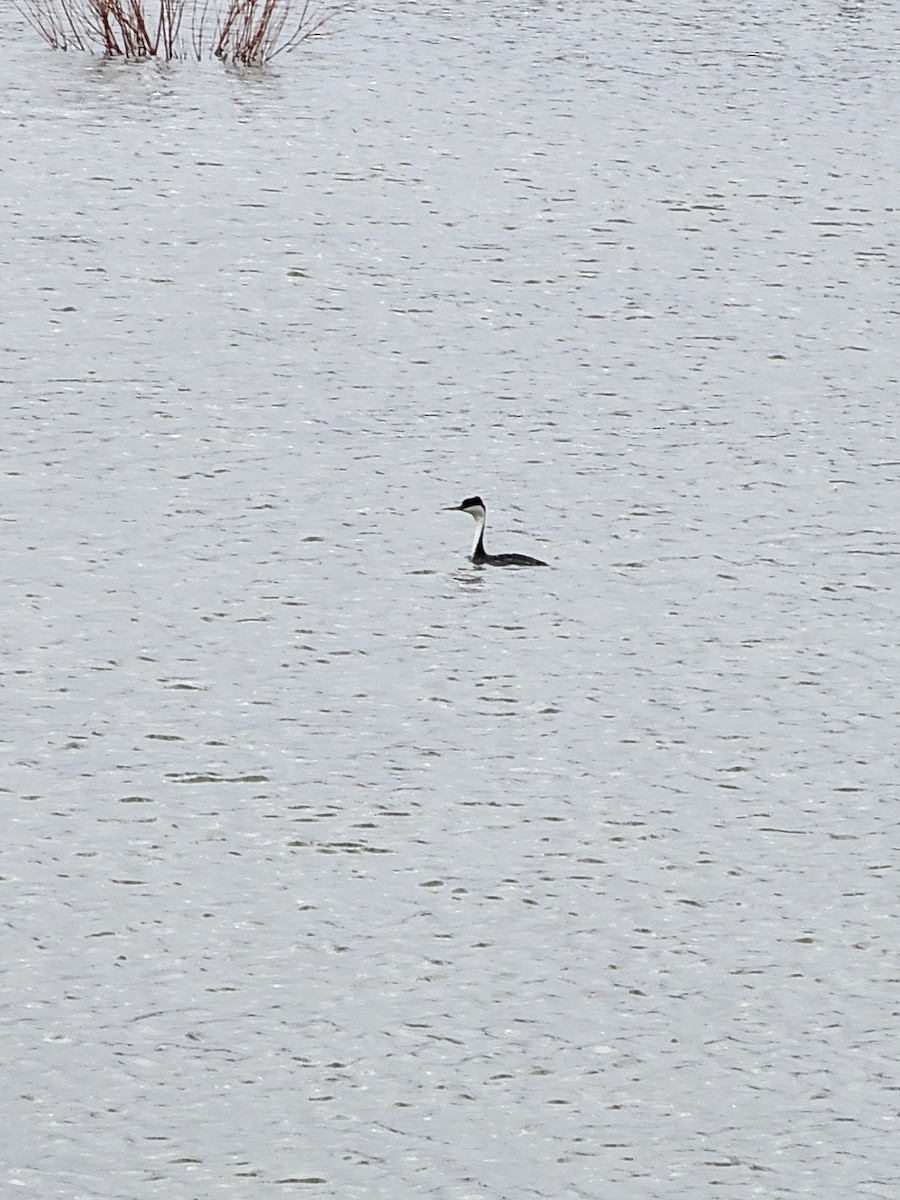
point(479, 515)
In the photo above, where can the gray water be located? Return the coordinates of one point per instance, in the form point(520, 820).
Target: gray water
point(333, 866)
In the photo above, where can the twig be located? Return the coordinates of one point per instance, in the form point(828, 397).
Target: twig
point(250, 32)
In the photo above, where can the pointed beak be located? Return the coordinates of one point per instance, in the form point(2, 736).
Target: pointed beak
point(451, 508)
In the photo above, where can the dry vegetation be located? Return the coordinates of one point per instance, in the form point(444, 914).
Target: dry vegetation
point(251, 32)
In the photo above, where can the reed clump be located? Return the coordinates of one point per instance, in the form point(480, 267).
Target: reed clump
point(251, 32)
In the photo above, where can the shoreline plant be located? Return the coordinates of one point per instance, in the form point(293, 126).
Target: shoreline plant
point(249, 32)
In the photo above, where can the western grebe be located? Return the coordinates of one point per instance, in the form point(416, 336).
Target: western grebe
point(474, 506)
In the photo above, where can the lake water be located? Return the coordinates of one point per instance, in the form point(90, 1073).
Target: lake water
point(332, 865)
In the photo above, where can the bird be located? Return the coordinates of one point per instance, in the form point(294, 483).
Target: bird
point(475, 507)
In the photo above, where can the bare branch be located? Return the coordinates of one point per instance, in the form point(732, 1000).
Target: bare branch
point(250, 32)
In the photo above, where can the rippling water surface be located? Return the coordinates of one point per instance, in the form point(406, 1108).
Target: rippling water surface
point(332, 865)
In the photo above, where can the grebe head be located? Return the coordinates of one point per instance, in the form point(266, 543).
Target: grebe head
point(474, 506)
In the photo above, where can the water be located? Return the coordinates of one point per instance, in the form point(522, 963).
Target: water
point(334, 866)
